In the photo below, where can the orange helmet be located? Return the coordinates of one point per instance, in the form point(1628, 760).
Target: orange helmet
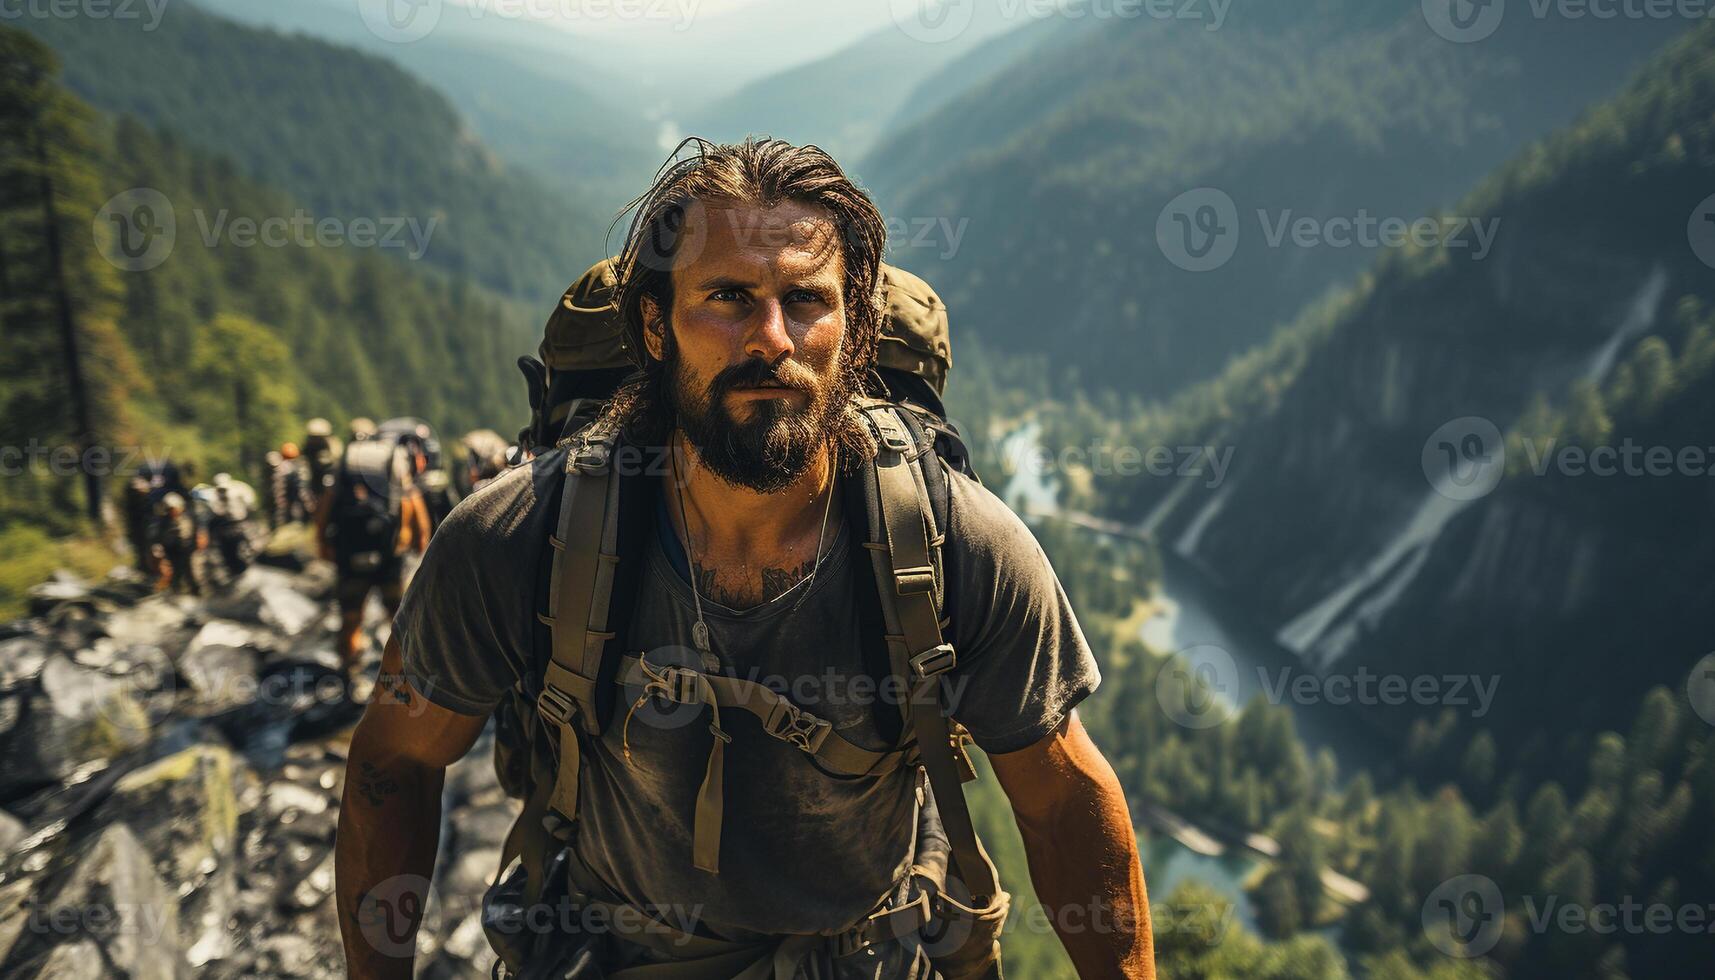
point(288, 450)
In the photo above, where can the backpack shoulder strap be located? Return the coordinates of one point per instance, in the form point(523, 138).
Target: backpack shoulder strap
point(904, 541)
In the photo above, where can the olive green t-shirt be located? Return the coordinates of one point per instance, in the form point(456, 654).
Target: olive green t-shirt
point(801, 851)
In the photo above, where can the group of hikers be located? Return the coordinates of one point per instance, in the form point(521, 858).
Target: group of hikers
point(738, 482)
point(182, 535)
point(370, 499)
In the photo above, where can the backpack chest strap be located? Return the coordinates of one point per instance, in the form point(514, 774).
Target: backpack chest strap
point(780, 718)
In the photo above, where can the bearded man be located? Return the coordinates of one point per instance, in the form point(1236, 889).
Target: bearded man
point(748, 287)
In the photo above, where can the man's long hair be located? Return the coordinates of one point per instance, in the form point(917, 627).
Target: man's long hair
point(762, 173)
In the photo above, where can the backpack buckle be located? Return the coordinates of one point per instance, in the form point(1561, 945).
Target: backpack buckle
point(589, 457)
point(918, 580)
point(556, 706)
point(789, 723)
point(889, 431)
point(676, 684)
point(934, 661)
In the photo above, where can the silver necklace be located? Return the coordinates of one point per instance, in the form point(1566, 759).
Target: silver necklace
point(700, 629)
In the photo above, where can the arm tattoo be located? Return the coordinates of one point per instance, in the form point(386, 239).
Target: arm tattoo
point(375, 785)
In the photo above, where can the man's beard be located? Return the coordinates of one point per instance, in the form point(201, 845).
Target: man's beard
point(776, 444)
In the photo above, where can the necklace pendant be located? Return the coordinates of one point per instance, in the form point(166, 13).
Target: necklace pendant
point(700, 635)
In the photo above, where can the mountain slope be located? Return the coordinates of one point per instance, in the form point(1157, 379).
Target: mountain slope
point(848, 101)
point(546, 107)
point(1064, 161)
point(1587, 331)
point(348, 135)
point(217, 351)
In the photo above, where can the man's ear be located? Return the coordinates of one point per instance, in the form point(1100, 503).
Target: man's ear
point(653, 325)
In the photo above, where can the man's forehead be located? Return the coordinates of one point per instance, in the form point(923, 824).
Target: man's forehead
point(791, 236)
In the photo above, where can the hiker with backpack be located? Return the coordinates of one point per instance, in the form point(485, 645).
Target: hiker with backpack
point(369, 518)
point(740, 630)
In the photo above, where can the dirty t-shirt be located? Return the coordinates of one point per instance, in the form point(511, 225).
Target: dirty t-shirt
point(801, 851)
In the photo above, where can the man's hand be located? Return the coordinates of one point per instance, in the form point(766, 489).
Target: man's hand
point(390, 818)
point(1082, 848)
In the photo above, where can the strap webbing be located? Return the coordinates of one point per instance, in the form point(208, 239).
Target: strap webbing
point(777, 714)
point(905, 580)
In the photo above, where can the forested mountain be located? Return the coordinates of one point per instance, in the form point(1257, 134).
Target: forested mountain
point(1590, 329)
point(584, 129)
point(209, 351)
point(1064, 160)
point(848, 101)
point(346, 134)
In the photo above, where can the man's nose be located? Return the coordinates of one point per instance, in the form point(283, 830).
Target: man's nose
point(768, 338)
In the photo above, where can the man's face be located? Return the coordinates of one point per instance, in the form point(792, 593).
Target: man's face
point(754, 337)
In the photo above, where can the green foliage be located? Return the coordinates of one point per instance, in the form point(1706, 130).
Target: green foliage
point(220, 351)
point(347, 135)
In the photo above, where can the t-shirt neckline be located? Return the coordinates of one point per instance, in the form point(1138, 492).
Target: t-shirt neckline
point(671, 551)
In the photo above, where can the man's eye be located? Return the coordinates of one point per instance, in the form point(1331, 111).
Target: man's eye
point(726, 296)
point(803, 296)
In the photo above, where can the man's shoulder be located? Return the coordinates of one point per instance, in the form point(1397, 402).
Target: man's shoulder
point(983, 525)
point(506, 509)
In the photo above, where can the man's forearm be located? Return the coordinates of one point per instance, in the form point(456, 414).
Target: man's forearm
point(1084, 865)
point(389, 826)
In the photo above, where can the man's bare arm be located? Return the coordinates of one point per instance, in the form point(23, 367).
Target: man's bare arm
point(1082, 848)
point(389, 820)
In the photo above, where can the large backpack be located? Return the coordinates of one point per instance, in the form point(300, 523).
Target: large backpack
point(601, 515)
point(369, 487)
